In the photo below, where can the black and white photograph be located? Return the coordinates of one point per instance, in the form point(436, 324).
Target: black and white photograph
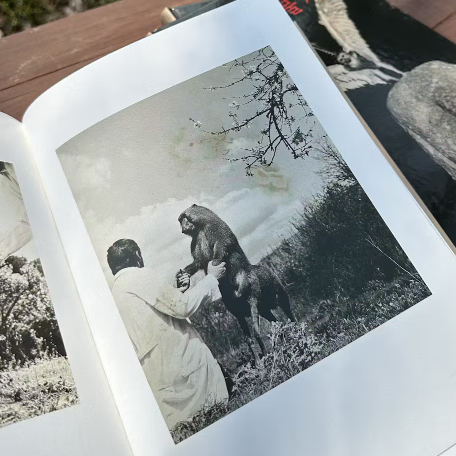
point(35, 374)
point(401, 77)
point(239, 246)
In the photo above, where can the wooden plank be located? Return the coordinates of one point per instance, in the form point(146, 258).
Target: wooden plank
point(429, 12)
point(448, 27)
point(68, 44)
point(36, 59)
point(15, 100)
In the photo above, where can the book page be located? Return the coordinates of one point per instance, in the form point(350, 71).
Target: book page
point(54, 397)
point(256, 275)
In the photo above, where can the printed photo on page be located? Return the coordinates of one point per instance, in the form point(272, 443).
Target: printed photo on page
point(35, 374)
point(239, 246)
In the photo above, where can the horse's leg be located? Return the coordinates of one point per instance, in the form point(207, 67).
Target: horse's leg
point(270, 314)
point(246, 330)
point(276, 314)
point(284, 303)
point(253, 300)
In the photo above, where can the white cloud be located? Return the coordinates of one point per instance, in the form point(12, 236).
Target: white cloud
point(258, 217)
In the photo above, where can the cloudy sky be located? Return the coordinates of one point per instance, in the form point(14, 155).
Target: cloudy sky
point(135, 172)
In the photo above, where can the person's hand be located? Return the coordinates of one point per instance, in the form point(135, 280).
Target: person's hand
point(183, 281)
point(217, 271)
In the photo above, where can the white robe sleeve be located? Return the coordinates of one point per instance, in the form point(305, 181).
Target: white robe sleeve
point(180, 305)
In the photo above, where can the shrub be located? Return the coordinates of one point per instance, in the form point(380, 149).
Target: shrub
point(28, 326)
point(340, 244)
point(17, 15)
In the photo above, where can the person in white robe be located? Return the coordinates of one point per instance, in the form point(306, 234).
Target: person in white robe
point(17, 230)
point(180, 368)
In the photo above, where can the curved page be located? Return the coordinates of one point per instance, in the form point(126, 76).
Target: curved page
point(330, 329)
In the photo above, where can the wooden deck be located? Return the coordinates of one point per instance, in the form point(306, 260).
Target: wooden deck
point(34, 60)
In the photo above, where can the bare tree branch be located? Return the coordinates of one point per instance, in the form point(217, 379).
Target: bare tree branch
point(286, 116)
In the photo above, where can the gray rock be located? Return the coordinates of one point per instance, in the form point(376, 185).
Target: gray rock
point(424, 103)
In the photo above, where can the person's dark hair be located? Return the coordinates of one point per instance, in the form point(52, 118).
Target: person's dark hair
point(124, 253)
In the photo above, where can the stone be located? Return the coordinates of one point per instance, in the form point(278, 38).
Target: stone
point(424, 104)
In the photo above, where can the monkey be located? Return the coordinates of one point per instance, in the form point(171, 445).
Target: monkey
point(247, 290)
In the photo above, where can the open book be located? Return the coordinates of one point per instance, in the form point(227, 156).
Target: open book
point(205, 252)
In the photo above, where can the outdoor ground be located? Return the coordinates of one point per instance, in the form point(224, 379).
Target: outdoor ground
point(42, 387)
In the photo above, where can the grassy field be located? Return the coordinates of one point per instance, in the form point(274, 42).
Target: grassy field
point(39, 388)
point(293, 347)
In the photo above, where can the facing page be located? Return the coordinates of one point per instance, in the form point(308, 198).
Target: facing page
point(54, 397)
